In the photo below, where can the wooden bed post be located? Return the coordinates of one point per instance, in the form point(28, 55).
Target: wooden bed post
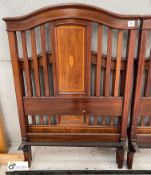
point(19, 93)
point(136, 101)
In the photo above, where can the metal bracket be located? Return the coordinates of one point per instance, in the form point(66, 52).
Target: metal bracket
point(123, 144)
point(134, 146)
point(24, 146)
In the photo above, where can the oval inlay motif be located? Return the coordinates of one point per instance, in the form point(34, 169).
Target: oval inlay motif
point(71, 60)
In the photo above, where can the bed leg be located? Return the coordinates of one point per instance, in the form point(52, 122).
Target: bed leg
point(130, 156)
point(120, 157)
point(28, 155)
point(116, 155)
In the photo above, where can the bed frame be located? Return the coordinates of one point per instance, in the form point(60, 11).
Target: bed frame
point(67, 93)
point(140, 125)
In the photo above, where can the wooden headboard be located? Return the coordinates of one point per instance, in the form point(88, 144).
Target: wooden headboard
point(67, 93)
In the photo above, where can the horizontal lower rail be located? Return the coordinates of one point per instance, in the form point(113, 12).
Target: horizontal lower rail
point(73, 137)
point(68, 129)
point(73, 106)
point(75, 144)
point(144, 138)
point(144, 130)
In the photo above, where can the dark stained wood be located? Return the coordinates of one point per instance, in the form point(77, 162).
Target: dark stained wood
point(18, 82)
point(33, 120)
point(76, 105)
point(73, 137)
point(71, 62)
point(70, 129)
point(143, 130)
point(118, 63)
point(144, 108)
point(67, 11)
point(71, 57)
point(141, 105)
point(19, 89)
point(108, 64)
point(52, 41)
point(35, 63)
point(88, 73)
point(26, 63)
point(143, 138)
point(148, 84)
point(44, 58)
point(130, 156)
point(98, 62)
point(138, 82)
point(93, 58)
point(128, 82)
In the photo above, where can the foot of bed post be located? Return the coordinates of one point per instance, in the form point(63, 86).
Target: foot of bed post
point(120, 157)
point(27, 152)
point(116, 155)
point(130, 156)
point(27, 157)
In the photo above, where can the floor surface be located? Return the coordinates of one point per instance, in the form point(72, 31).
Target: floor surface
point(73, 158)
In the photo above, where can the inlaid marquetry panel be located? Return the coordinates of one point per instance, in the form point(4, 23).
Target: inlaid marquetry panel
point(70, 58)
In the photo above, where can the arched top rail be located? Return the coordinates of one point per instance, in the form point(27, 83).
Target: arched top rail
point(71, 11)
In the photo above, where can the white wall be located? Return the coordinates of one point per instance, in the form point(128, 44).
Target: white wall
point(11, 8)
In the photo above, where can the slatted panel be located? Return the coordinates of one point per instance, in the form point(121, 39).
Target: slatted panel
point(27, 69)
point(118, 70)
point(36, 68)
point(98, 67)
point(52, 39)
point(26, 63)
point(109, 72)
point(45, 65)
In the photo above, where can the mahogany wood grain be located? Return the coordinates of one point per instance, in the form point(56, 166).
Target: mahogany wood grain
point(148, 84)
point(138, 82)
point(35, 63)
point(72, 113)
point(26, 63)
point(76, 105)
point(71, 58)
point(45, 61)
point(88, 73)
point(93, 58)
point(108, 64)
point(98, 61)
point(118, 63)
point(73, 137)
point(18, 82)
point(70, 129)
point(70, 11)
point(128, 81)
